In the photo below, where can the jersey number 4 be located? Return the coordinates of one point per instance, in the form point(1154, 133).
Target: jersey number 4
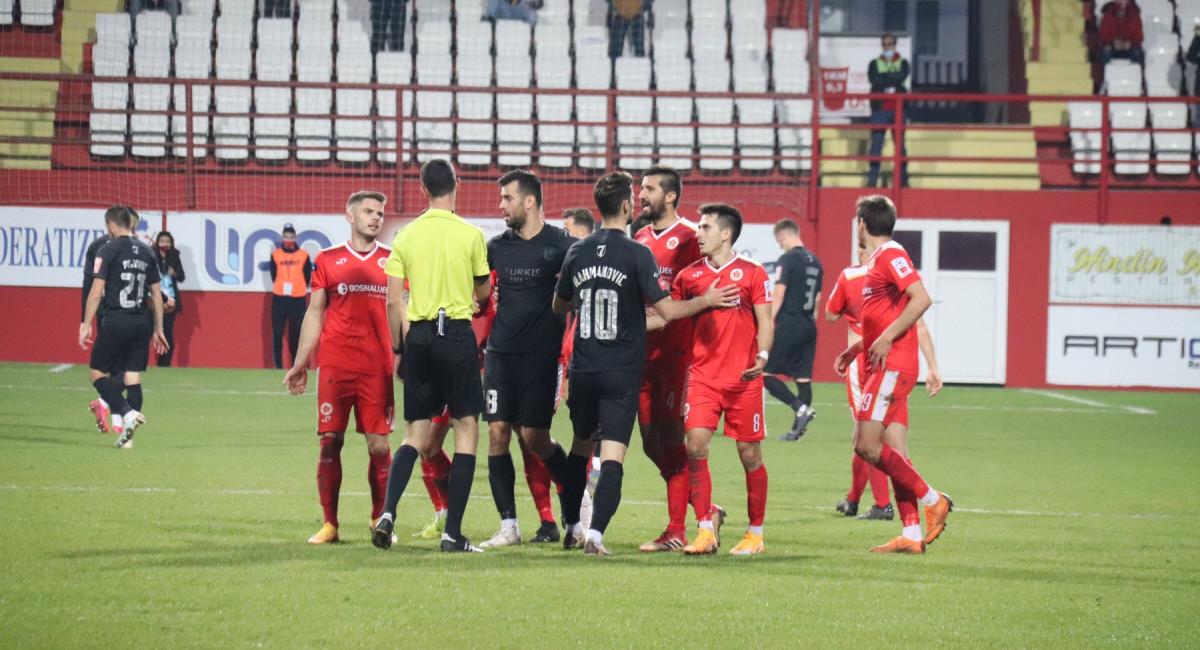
point(135, 286)
point(602, 313)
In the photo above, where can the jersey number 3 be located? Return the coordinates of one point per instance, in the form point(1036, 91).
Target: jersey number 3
point(603, 313)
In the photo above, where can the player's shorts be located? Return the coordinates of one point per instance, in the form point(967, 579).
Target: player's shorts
point(604, 404)
point(854, 383)
point(520, 389)
point(441, 372)
point(741, 403)
point(663, 391)
point(884, 396)
point(369, 394)
point(793, 351)
point(122, 344)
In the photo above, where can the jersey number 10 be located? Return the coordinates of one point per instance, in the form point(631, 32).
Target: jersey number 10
point(603, 312)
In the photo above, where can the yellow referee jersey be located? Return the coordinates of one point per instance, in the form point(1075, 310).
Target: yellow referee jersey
point(441, 255)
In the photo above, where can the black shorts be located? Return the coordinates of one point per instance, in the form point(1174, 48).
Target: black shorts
point(441, 372)
point(520, 389)
point(793, 351)
point(604, 405)
point(123, 344)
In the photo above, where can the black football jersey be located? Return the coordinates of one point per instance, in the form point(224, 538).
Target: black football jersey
point(800, 271)
point(128, 268)
point(526, 274)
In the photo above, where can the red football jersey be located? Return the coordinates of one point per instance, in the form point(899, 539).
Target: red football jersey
point(724, 341)
point(846, 298)
point(355, 335)
point(673, 249)
point(484, 316)
point(889, 272)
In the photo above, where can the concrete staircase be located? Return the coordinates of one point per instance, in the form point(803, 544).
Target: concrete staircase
point(1063, 67)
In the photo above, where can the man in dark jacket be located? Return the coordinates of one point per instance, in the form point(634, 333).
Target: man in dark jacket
point(1193, 57)
point(1121, 32)
point(887, 74)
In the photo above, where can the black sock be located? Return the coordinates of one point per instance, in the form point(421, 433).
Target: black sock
point(779, 390)
point(110, 391)
point(398, 475)
point(556, 462)
point(462, 472)
point(803, 394)
point(608, 494)
point(133, 395)
point(503, 478)
point(574, 482)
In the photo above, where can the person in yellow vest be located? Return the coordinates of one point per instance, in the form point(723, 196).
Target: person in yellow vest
point(887, 73)
point(291, 271)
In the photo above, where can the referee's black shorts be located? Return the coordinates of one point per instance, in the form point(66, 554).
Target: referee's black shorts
point(123, 343)
point(520, 389)
point(441, 371)
point(604, 405)
point(794, 348)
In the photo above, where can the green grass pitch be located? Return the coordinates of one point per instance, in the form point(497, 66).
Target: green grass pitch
point(1077, 525)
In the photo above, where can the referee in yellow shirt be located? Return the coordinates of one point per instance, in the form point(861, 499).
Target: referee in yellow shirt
point(444, 260)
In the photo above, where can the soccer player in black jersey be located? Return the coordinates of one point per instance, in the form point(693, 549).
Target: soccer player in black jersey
point(608, 279)
point(520, 375)
point(123, 271)
point(797, 294)
point(106, 421)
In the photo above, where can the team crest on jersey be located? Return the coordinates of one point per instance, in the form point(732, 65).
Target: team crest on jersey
point(341, 261)
point(382, 262)
point(548, 254)
point(326, 411)
point(901, 266)
point(735, 275)
point(600, 250)
point(672, 243)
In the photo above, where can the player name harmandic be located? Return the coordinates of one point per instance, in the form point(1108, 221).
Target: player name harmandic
point(601, 272)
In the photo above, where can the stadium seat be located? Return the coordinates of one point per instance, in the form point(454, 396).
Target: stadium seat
point(514, 141)
point(709, 43)
point(552, 40)
point(709, 11)
point(475, 139)
point(234, 32)
point(6, 12)
point(1172, 150)
point(433, 10)
point(240, 8)
point(432, 37)
point(394, 69)
point(670, 45)
point(1085, 145)
point(192, 61)
point(749, 42)
point(590, 41)
point(675, 143)
point(1158, 17)
point(750, 76)
point(512, 38)
point(553, 12)
point(434, 132)
point(148, 122)
point(273, 62)
point(154, 26)
point(795, 134)
point(109, 59)
point(716, 142)
point(352, 137)
point(748, 13)
point(635, 142)
point(1131, 149)
point(314, 31)
point(113, 28)
point(231, 133)
point(37, 13)
point(473, 37)
point(789, 54)
point(200, 9)
point(757, 143)
point(1188, 13)
point(670, 15)
point(555, 141)
point(313, 135)
point(194, 30)
point(1123, 79)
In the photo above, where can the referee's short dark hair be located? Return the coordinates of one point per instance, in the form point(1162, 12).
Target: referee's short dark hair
point(786, 225)
point(669, 179)
point(121, 215)
point(878, 214)
point(527, 183)
point(437, 177)
point(728, 217)
point(580, 217)
point(610, 191)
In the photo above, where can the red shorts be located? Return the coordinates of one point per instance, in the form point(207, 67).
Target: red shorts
point(664, 387)
point(370, 395)
point(884, 396)
point(742, 404)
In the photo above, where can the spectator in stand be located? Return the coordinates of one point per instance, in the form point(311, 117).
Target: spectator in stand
point(525, 10)
point(1121, 32)
point(170, 268)
point(137, 6)
point(1193, 57)
point(887, 74)
point(388, 19)
point(627, 17)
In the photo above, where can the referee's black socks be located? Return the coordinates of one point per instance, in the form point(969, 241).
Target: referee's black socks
point(780, 391)
point(502, 476)
point(462, 472)
point(110, 391)
point(803, 394)
point(402, 467)
point(608, 494)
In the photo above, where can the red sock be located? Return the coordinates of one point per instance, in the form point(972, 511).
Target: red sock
point(858, 478)
point(377, 476)
point(879, 484)
point(902, 472)
point(329, 477)
point(756, 495)
point(435, 472)
point(538, 478)
point(700, 483)
point(678, 487)
point(906, 505)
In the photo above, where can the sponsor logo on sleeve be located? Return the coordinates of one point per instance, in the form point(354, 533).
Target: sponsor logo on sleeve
point(901, 266)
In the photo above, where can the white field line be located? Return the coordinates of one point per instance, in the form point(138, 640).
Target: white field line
point(61, 367)
point(1087, 402)
point(632, 502)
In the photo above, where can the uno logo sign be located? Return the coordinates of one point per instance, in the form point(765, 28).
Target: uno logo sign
point(233, 264)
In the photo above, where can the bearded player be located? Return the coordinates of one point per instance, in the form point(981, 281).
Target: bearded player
point(347, 314)
point(672, 240)
point(894, 298)
point(730, 348)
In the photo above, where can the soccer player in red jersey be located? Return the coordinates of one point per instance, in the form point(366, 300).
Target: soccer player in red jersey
point(347, 315)
point(729, 351)
point(846, 300)
point(672, 240)
point(894, 298)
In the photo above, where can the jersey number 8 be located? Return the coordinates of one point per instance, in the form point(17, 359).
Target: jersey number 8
point(603, 313)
